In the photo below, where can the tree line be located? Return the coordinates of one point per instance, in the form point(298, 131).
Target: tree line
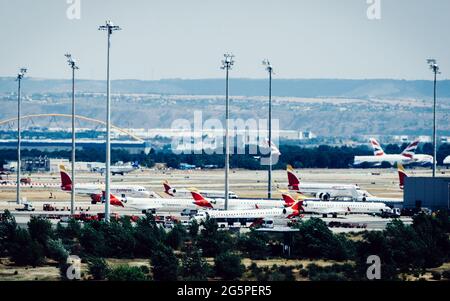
point(322, 156)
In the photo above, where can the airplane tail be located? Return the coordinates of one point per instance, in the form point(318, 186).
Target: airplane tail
point(113, 200)
point(199, 200)
point(288, 200)
point(293, 181)
point(167, 189)
point(401, 175)
point(66, 181)
point(410, 150)
point(377, 149)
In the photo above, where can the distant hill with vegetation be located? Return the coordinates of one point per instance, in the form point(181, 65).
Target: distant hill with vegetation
point(367, 88)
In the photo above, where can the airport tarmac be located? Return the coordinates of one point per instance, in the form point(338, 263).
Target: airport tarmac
point(246, 183)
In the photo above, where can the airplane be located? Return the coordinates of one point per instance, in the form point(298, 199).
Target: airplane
point(407, 157)
point(335, 208)
point(238, 204)
point(151, 205)
point(121, 169)
point(187, 193)
point(323, 191)
point(93, 188)
point(447, 160)
point(252, 214)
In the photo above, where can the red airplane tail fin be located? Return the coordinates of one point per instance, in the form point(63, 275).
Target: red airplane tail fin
point(167, 189)
point(199, 200)
point(66, 181)
point(401, 175)
point(288, 200)
point(293, 181)
point(113, 200)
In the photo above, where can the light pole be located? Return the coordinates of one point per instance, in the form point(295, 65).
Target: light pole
point(19, 77)
point(227, 63)
point(269, 69)
point(73, 66)
point(435, 68)
point(109, 27)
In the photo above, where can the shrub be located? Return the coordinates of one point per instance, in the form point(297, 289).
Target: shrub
point(194, 267)
point(228, 266)
point(126, 273)
point(40, 230)
point(436, 275)
point(56, 250)
point(98, 268)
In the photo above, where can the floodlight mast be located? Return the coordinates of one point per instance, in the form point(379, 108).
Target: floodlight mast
point(269, 69)
point(110, 28)
point(227, 63)
point(432, 63)
point(73, 66)
point(19, 78)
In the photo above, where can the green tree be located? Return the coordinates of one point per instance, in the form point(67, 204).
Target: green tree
point(24, 250)
point(176, 236)
point(40, 230)
point(254, 244)
point(228, 266)
point(164, 264)
point(8, 228)
point(56, 250)
point(211, 241)
point(194, 267)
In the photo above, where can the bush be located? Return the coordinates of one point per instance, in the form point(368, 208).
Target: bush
point(56, 250)
point(126, 273)
point(254, 245)
point(98, 268)
point(164, 264)
point(24, 250)
point(228, 266)
point(446, 274)
point(436, 275)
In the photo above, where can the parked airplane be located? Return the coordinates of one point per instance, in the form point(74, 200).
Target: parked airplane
point(187, 192)
point(121, 169)
point(256, 214)
point(447, 160)
point(335, 208)
point(93, 188)
point(408, 156)
point(240, 204)
point(323, 191)
point(153, 204)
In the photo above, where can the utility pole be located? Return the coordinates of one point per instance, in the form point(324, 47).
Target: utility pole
point(227, 63)
point(73, 66)
point(19, 78)
point(269, 69)
point(435, 68)
point(109, 27)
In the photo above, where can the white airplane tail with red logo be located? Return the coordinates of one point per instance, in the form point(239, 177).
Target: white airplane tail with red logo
point(410, 150)
point(377, 149)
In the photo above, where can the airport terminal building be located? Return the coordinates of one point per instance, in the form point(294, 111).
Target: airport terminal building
point(427, 192)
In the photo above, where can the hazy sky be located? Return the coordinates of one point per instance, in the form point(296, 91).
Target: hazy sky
point(186, 38)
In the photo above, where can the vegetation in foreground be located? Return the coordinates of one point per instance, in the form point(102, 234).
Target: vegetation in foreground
point(191, 254)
